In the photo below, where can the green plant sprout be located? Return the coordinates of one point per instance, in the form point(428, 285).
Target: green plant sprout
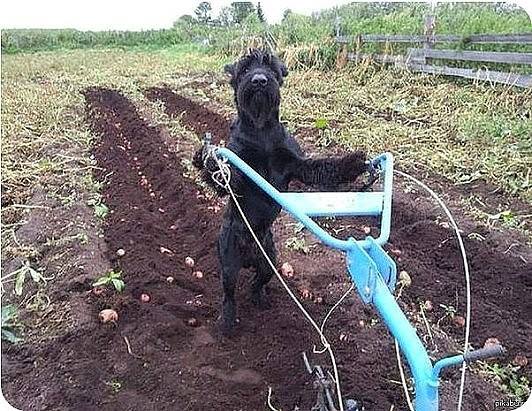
point(9, 315)
point(113, 278)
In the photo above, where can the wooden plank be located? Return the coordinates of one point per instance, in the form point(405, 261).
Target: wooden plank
point(381, 58)
point(517, 38)
point(520, 80)
point(489, 56)
point(393, 38)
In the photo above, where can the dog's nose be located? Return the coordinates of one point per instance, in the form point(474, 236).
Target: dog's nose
point(259, 79)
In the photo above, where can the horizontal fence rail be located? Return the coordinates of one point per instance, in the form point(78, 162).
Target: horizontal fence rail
point(520, 80)
point(486, 56)
point(518, 38)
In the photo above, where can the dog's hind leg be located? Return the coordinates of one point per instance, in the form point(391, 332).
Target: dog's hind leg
point(264, 272)
point(231, 262)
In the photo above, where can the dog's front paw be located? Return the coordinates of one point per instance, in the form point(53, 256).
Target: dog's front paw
point(226, 327)
point(373, 171)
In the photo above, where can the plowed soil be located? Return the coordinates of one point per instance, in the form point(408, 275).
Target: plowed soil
point(166, 354)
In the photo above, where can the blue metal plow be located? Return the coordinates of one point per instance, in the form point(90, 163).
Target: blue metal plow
point(370, 267)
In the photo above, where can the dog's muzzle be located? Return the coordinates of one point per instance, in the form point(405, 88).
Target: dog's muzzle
point(259, 80)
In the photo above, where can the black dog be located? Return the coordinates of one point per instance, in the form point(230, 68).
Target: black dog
point(259, 139)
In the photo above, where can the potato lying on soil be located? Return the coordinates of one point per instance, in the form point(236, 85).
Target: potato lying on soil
point(145, 298)
point(490, 342)
point(287, 270)
point(189, 262)
point(108, 315)
point(192, 322)
point(197, 274)
point(459, 321)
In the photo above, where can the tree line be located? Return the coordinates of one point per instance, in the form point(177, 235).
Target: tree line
point(232, 15)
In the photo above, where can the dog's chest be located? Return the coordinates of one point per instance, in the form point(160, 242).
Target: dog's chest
point(262, 154)
point(269, 167)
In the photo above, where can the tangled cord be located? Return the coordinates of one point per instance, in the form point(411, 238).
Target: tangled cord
point(222, 177)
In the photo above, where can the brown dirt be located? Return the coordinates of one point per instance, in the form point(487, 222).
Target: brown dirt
point(177, 366)
point(195, 115)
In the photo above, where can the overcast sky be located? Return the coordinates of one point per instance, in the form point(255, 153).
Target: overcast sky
point(132, 14)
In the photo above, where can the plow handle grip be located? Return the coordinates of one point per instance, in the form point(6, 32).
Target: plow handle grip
point(488, 352)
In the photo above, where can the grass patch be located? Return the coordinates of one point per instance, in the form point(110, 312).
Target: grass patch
point(462, 131)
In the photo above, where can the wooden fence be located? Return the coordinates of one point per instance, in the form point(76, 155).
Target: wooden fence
point(420, 59)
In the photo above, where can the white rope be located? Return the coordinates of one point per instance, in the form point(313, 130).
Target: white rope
point(403, 378)
point(466, 273)
point(225, 172)
point(334, 307)
point(270, 405)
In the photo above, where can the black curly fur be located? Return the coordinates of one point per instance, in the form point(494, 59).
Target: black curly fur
point(259, 139)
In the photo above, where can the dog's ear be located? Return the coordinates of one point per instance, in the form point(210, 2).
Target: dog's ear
point(229, 69)
point(284, 69)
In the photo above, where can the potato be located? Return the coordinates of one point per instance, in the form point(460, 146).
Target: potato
point(145, 298)
point(491, 342)
point(287, 270)
point(197, 274)
point(396, 252)
point(108, 315)
point(459, 321)
point(520, 361)
point(189, 262)
point(192, 322)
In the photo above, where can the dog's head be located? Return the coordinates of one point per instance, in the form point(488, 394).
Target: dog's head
point(256, 79)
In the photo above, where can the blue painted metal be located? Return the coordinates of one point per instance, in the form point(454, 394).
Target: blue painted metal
point(296, 205)
point(420, 365)
point(385, 265)
point(363, 271)
point(338, 204)
point(446, 362)
point(371, 269)
point(385, 161)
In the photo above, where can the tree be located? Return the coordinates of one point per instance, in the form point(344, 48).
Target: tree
point(226, 16)
point(260, 13)
point(186, 19)
point(203, 12)
point(241, 9)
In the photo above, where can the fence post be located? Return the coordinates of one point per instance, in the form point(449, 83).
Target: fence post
point(430, 25)
point(358, 47)
point(337, 25)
